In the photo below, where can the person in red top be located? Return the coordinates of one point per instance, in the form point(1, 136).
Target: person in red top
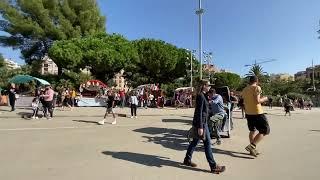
point(122, 97)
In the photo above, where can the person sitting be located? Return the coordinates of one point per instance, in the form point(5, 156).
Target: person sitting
point(216, 108)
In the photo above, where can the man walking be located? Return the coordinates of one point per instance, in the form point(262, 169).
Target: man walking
point(256, 119)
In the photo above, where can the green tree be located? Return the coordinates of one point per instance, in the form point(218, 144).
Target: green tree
point(158, 60)
point(105, 54)
point(2, 64)
point(227, 79)
point(33, 25)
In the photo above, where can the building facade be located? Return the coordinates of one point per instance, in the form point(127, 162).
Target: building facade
point(10, 64)
point(120, 81)
point(48, 66)
point(282, 77)
point(308, 73)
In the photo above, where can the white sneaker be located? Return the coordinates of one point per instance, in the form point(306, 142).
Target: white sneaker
point(37, 117)
point(49, 118)
point(131, 117)
point(114, 122)
point(101, 122)
point(136, 117)
point(33, 117)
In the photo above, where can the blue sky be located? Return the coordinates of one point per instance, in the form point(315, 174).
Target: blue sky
point(236, 31)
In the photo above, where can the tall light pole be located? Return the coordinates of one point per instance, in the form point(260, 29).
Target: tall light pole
point(313, 85)
point(199, 12)
point(191, 67)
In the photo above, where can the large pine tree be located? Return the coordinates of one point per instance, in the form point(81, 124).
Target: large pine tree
point(33, 25)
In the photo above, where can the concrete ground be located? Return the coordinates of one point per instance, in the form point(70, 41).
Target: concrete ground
point(73, 146)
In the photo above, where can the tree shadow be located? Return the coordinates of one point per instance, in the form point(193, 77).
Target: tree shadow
point(184, 121)
point(176, 139)
point(149, 160)
point(84, 121)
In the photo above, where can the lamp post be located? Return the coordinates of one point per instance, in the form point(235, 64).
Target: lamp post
point(208, 58)
point(199, 12)
point(191, 65)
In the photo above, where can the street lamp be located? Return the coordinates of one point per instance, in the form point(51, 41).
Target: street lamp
point(191, 66)
point(199, 12)
point(208, 58)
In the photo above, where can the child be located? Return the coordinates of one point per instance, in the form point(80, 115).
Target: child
point(35, 105)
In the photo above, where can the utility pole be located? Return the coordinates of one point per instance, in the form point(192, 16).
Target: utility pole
point(313, 85)
point(199, 12)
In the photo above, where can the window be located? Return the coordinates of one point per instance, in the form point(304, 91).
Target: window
point(45, 69)
point(46, 65)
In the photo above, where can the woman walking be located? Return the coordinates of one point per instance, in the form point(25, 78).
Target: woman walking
point(200, 127)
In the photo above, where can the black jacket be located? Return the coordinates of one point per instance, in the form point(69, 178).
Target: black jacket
point(201, 112)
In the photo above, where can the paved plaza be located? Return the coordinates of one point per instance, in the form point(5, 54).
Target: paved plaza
point(73, 146)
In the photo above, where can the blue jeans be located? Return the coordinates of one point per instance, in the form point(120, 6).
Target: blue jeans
point(207, 147)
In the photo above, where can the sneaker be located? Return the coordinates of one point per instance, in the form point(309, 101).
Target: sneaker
point(49, 118)
point(218, 169)
point(218, 142)
point(131, 117)
point(252, 150)
point(33, 117)
point(187, 162)
point(136, 117)
point(114, 122)
point(37, 117)
point(101, 122)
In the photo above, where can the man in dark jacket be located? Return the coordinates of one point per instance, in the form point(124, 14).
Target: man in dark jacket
point(200, 125)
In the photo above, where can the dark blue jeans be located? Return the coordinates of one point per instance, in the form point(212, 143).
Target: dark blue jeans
point(207, 147)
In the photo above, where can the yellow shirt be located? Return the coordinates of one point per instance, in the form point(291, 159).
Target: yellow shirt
point(250, 103)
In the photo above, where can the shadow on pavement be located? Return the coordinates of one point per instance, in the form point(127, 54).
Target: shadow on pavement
point(149, 160)
point(176, 139)
point(84, 121)
point(184, 121)
point(315, 130)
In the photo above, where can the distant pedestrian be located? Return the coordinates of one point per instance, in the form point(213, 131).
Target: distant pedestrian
point(48, 102)
point(122, 98)
point(110, 108)
point(12, 97)
point(270, 102)
point(133, 104)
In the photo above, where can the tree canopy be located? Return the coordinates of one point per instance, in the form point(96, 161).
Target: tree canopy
point(227, 79)
point(105, 54)
point(2, 64)
point(33, 25)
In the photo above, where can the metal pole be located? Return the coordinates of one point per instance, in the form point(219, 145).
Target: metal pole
point(200, 12)
point(191, 68)
point(314, 87)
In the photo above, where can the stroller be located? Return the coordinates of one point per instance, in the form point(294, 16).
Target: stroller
point(215, 123)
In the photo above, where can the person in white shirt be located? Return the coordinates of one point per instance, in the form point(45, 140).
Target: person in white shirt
point(133, 103)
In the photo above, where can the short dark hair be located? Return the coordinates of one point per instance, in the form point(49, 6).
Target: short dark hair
point(253, 79)
point(212, 91)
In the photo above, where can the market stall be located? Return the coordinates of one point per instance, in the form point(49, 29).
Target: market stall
point(92, 93)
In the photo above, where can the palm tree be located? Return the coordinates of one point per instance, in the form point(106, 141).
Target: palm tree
point(256, 70)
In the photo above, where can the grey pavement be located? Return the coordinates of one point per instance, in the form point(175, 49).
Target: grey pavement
point(73, 146)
